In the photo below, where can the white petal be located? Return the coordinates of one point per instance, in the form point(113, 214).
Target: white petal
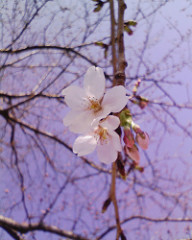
point(115, 98)
point(100, 115)
point(106, 153)
point(94, 82)
point(116, 143)
point(111, 122)
point(75, 97)
point(84, 145)
point(78, 122)
point(69, 118)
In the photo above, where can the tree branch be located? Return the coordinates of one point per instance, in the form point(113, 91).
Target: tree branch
point(114, 200)
point(12, 233)
point(122, 64)
point(113, 37)
point(43, 47)
point(8, 117)
point(27, 24)
point(8, 223)
point(153, 220)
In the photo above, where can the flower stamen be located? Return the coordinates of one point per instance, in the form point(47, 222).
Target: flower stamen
point(95, 105)
point(102, 134)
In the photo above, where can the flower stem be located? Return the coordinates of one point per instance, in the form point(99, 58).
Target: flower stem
point(114, 200)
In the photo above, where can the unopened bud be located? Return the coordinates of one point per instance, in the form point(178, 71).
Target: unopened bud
point(143, 102)
point(128, 138)
point(136, 128)
point(133, 153)
point(143, 140)
point(106, 205)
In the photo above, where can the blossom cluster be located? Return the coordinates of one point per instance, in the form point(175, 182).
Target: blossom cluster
point(95, 114)
point(133, 136)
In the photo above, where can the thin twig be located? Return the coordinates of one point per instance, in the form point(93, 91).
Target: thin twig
point(144, 218)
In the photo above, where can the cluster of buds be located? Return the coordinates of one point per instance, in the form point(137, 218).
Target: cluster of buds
point(133, 137)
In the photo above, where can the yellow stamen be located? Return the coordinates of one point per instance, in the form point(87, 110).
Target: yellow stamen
point(103, 135)
point(95, 105)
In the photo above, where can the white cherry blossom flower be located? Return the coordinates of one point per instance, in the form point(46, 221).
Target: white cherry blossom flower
point(103, 138)
point(90, 103)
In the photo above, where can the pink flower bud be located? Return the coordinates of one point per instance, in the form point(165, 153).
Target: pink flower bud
point(143, 140)
point(128, 138)
point(136, 128)
point(133, 153)
point(143, 104)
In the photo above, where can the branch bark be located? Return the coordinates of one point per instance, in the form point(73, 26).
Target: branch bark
point(8, 223)
point(114, 200)
point(113, 38)
point(144, 218)
point(122, 64)
point(118, 80)
point(44, 47)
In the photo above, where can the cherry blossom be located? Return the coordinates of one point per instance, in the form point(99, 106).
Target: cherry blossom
point(91, 104)
point(103, 138)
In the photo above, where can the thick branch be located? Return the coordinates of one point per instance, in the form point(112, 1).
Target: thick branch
point(113, 37)
point(13, 233)
point(25, 228)
point(122, 64)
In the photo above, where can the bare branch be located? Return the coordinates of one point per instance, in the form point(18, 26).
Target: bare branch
point(48, 47)
point(25, 228)
point(153, 220)
point(122, 64)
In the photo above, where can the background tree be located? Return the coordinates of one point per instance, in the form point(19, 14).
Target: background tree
point(47, 192)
